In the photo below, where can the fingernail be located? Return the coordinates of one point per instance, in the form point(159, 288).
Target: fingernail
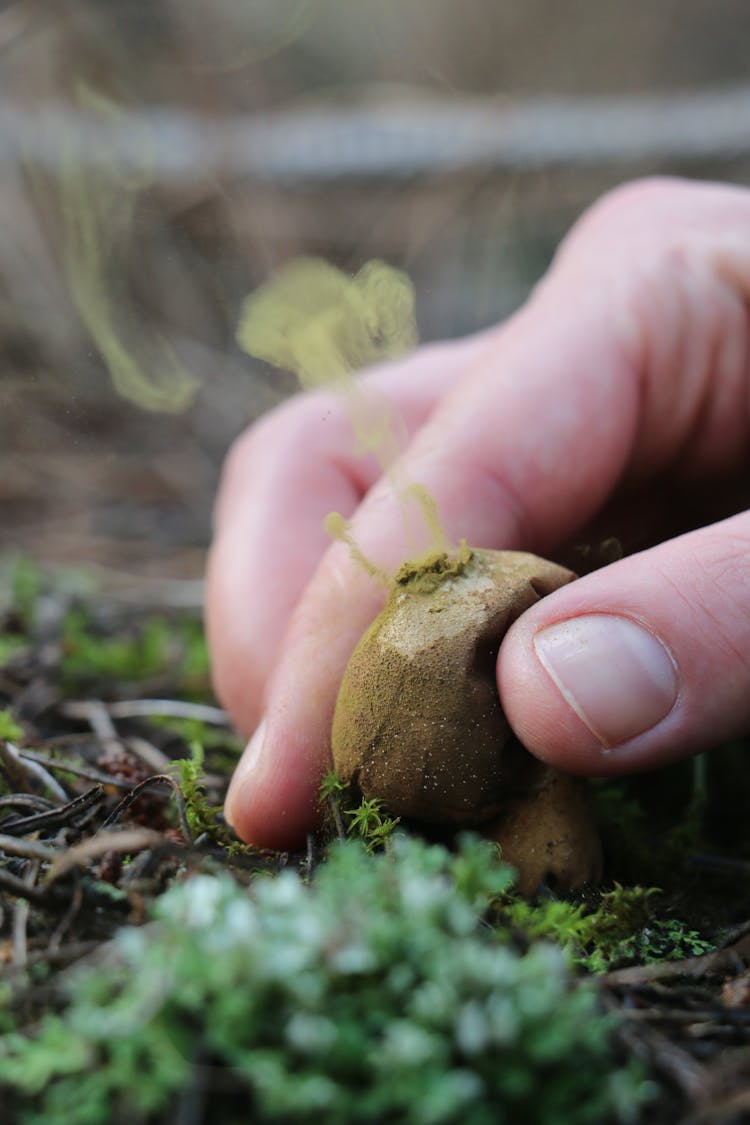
point(246, 766)
point(617, 676)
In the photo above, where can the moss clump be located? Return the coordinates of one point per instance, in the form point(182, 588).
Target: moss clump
point(149, 650)
point(621, 926)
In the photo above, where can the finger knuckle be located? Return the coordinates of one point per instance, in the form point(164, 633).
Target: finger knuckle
point(721, 581)
point(636, 202)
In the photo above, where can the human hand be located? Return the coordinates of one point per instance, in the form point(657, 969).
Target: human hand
point(619, 394)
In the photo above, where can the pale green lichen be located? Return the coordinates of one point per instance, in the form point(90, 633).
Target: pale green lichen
point(375, 994)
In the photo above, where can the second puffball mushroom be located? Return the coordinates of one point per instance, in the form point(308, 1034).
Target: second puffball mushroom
point(418, 722)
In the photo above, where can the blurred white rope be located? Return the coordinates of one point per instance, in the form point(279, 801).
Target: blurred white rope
point(387, 138)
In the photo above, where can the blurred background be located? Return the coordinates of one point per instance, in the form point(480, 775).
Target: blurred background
point(159, 158)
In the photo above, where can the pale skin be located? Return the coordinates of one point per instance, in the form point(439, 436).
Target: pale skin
point(620, 390)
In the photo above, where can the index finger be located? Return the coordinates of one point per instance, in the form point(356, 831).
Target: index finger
point(280, 480)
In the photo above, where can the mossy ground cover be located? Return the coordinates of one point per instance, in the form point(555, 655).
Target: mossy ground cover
point(156, 970)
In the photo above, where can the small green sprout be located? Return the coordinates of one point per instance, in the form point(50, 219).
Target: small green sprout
point(367, 821)
point(332, 788)
point(370, 823)
point(202, 816)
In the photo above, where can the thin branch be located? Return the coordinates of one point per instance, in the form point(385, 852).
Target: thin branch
point(53, 898)
point(169, 708)
point(18, 775)
point(17, 887)
point(386, 139)
point(155, 779)
point(148, 753)
point(63, 954)
point(29, 849)
point(21, 917)
point(310, 857)
point(659, 1053)
point(337, 818)
point(22, 770)
point(96, 714)
point(80, 855)
point(691, 967)
point(55, 818)
point(77, 771)
point(61, 929)
point(28, 801)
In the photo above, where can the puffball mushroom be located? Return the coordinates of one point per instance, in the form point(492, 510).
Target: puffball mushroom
point(418, 722)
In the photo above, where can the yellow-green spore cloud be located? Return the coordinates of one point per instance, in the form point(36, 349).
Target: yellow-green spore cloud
point(323, 325)
point(314, 320)
point(98, 210)
point(320, 323)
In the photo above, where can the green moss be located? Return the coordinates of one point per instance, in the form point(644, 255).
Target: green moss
point(153, 648)
point(332, 787)
point(7, 1019)
point(140, 655)
point(224, 744)
point(21, 584)
point(9, 728)
point(622, 927)
point(201, 815)
point(27, 583)
point(366, 821)
point(10, 646)
point(369, 821)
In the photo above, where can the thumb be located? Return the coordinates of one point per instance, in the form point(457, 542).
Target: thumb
point(639, 664)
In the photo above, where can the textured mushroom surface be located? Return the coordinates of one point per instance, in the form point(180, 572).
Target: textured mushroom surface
point(418, 721)
point(548, 834)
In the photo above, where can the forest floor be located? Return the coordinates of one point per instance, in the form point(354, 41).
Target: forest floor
point(113, 763)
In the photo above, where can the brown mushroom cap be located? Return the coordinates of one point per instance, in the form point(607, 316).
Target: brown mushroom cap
point(549, 835)
point(418, 721)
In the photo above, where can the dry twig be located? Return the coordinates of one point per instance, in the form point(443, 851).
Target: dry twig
point(155, 779)
point(128, 840)
point(55, 818)
point(78, 771)
point(21, 771)
point(21, 917)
